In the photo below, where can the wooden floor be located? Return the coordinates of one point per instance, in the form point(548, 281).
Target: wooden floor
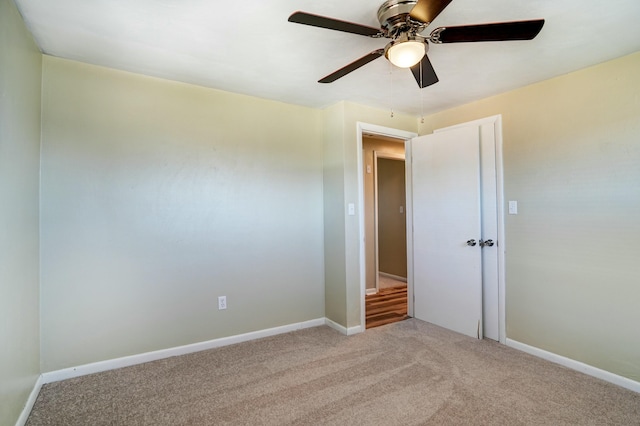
point(387, 306)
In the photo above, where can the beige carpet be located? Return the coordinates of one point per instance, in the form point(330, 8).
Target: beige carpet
point(406, 373)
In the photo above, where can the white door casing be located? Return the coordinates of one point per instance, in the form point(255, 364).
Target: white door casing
point(447, 271)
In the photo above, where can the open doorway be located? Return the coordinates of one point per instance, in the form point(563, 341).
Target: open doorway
point(385, 229)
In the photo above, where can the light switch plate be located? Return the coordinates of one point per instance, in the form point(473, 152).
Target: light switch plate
point(352, 209)
point(513, 207)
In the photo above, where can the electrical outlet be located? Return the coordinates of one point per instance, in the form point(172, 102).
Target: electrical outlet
point(222, 302)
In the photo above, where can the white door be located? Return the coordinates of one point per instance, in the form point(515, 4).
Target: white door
point(491, 196)
point(447, 266)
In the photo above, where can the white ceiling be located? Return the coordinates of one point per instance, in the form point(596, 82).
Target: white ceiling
point(249, 47)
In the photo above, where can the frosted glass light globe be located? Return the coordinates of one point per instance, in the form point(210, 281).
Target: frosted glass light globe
point(406, 54)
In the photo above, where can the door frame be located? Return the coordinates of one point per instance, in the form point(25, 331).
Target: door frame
point(388, 156)
point(363, 129)
point(366, 128)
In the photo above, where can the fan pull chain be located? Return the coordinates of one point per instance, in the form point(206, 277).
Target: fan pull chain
point(391, 87)
point(421, 97)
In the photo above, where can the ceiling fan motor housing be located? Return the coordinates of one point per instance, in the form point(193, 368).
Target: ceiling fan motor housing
point(397, 24)
point(395, 20)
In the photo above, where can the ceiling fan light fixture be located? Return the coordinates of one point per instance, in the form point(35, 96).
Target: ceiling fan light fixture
point(405, 54)
point(404, 23)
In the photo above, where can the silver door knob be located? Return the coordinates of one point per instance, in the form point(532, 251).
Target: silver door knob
point(486, 243)
point(471, 243)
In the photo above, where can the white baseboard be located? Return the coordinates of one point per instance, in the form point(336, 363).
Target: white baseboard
point(22, 420)
point(342, 329)
point(335, 326)
point(576, 365)
point(112, 364)
point(370, 291)
point(355, 330)
point(395, 277)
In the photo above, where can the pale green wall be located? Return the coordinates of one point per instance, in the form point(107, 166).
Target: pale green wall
point(157, 197)
point(342, 231)
point(20, 76)
point(334, 213)
point(572, 161)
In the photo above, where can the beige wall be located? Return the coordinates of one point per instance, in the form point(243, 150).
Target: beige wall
point(369, 145)
point(572, 161)
point(20, 76)
point(392, 223)
point(158, 197)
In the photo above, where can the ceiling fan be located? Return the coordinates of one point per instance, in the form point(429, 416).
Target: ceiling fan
point(403, 21)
